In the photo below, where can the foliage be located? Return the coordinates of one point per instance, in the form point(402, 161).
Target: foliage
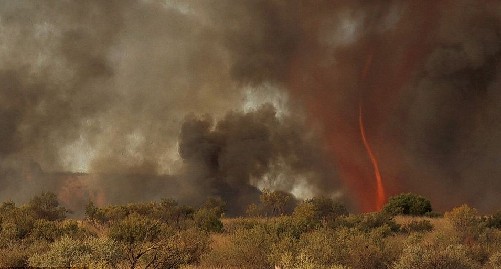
point(494, 221)
point(348, 247)
point(418, 256)
point(247, 248)
point(277, 203)
point(94, 213)
point(69, 252)
point(466, 222)
point(16, 223)
point(216, 204)
point(495, 260)
point(46, 206)
point(368, 222)
point(183, 248)
point(417, 226)
point(315, 212)
point(138, 236)
point(319, 234)
point(408, 204)
point(208, 220)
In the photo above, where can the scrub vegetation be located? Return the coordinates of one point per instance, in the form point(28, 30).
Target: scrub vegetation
point(278, 233)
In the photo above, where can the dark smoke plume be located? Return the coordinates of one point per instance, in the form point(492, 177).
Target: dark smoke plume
point(94, 97)
point(228, 159)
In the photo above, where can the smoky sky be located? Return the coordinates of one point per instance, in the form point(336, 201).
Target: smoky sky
point(205, 98)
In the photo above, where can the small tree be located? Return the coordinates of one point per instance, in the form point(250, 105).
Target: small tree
point(140, 236)
point(318, 210)
point(208, 220)
point(408, 204)
point(46, 206)
point(277, 203)
point(216, 204)
point(94, 213)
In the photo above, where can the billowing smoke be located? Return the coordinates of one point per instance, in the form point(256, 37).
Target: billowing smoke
point(425, 73)
point(103, 88)
point(230, 158)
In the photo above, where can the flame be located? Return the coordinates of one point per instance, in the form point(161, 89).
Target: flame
point(381, 196)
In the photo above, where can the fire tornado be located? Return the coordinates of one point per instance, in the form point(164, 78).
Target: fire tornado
point(381, 195)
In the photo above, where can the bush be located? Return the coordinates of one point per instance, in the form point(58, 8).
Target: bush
point(466, 222)
point(208, 220)
point(68, 252)
point(46, 206)
point(45, 230)
point(428, 257)
point(315, 212)
point(247, 248)
point(495, 260)
point(183, 248)
point(417, 226)
point(369, 221)
point(408, 204)
point(13, 258)
point(348, 247)
point(494, 221)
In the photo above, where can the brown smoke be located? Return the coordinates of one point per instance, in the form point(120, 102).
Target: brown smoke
point(102, 87)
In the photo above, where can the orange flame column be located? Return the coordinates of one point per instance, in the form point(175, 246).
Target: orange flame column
point(381, 195)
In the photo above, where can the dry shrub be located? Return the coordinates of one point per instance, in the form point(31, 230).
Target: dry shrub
point(419, 256)
point(247, 248)
point(419, 226)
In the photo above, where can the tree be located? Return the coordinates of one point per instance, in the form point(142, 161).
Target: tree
point(46, 206)
point(94, 213)
point(217, 204)
point(319, 209)
point(140, 236)
point(208, 220)
point(408, 204)
point(277, 203)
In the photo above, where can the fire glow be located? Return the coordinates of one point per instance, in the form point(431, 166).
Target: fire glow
point(381, 195)
point(380, 192)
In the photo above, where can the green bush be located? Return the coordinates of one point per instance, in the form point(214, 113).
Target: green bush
point(408, 204)
point(46, 206)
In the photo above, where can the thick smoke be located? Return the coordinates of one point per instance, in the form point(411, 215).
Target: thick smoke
point(425, 73)
point(229, 158)
point(104, 87)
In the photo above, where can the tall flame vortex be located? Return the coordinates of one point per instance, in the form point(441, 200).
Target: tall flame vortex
point(381, 196)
